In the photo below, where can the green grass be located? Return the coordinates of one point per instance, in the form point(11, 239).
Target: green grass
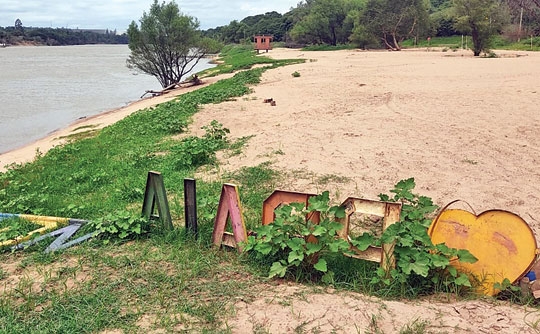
point(242, 57)
point(171, 280)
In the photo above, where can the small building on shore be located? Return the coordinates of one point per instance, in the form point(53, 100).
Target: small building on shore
point(263, 42)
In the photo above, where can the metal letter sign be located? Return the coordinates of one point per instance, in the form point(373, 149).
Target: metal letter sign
point(60, 242)
point(155, 193)
point(280, 197)
point(190, 206)
point(229, 207)
point(389, 212)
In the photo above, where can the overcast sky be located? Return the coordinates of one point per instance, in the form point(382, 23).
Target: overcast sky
point(118, 14)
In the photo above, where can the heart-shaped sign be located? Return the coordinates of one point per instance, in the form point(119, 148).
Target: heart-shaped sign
point(502, 242)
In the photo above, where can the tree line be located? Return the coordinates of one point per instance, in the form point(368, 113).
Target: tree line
point(386, 23)
point(18, 34)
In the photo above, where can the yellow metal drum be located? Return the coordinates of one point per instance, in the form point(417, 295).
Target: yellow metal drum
point(502, 242)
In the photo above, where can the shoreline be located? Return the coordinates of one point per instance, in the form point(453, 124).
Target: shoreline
point(27, 152)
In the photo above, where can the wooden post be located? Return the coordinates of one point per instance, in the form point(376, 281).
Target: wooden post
point(190, 206)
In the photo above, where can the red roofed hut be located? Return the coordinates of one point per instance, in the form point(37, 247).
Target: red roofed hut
point(263, 42)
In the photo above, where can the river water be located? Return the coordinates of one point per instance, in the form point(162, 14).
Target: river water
point(46, 88)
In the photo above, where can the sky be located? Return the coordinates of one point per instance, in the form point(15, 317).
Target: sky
point(118, 14)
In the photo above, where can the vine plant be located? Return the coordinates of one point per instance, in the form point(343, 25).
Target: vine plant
point(415, 254)
point(286, 241)
point(287, 238)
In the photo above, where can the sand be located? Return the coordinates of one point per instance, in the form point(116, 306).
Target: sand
point(355, 123)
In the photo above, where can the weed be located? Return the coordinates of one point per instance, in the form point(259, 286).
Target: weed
point(286, 239)
point(330, 178)
point(13, 227)
point(417, 326)
point(416, 256)
point(295, 74)
point(121, 225)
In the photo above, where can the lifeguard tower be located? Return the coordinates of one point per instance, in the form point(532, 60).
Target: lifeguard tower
point(263, 42)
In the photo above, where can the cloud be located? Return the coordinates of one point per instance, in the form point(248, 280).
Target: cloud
point(117, 14)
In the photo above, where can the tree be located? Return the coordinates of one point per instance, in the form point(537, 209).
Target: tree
point(18, 24)
point(393, 21)
point(168, 44)
point(323, 24)
point(482, 19)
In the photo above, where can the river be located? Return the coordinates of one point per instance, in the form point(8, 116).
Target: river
point(46, 88)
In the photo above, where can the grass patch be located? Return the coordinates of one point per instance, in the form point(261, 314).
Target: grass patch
point(234, 58)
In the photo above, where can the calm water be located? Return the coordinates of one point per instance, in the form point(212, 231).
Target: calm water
point(43, 89)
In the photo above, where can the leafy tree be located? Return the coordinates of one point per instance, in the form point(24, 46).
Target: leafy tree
point(324, 24)
point(168, 43)
point(234, 32)
point(482, 19)
point(19, 30)
point(393, 21)
point(270, 23)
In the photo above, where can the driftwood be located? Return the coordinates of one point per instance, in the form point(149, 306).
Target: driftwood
point(193, 81)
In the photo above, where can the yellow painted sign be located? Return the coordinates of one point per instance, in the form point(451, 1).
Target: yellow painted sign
point(502, 242)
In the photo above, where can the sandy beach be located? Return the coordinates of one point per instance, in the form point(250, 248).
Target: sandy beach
point(355, 123)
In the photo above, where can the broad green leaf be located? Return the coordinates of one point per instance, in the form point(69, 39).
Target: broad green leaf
point(463, 280)
point(328, 277)
point(263, 248)
point(338, 211)
point(312, 248)
point(406, 241)
point(442, 248)
point(321, 265)
point(295, 256)
point(453, 271)
point(384, 197)
point(318, 230)
point(277, 269)
point(421, 265)
point(296, 243)
point(440, 261)
point(339, 245)
point(419, 269)
point(319, 202)
point(363, 242)
point(465, 256)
